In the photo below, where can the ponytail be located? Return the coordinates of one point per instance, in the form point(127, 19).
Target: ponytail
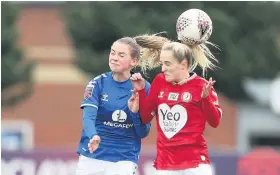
point(202, 57)
point(151, 46)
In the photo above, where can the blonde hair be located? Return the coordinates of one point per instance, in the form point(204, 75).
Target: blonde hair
point(151, 46)
point(196, 55)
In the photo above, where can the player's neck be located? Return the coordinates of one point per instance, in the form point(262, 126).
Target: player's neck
point(121, 77)
point(183, 77)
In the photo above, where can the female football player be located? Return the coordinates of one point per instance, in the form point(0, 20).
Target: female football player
point(182, 102)
point(112, 130)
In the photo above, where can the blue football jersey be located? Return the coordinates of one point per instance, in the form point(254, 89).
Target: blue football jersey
point(119, 128)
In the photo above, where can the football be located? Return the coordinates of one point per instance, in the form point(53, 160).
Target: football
point(194, 27)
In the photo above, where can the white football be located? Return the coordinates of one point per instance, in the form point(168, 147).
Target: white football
point(194, 26)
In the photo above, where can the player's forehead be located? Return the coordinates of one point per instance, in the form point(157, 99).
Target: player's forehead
point(120, 48)
point(167, 56)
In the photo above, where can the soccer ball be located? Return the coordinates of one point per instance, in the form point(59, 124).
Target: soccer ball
point(194, 27)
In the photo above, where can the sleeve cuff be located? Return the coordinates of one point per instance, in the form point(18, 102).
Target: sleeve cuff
point(95, 134)
point(90, 105)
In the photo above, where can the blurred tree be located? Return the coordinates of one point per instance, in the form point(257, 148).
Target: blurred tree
point(245, 32)
point(16, 76)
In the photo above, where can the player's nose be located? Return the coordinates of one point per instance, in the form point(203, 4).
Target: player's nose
point(114, 58)
point(163, 69)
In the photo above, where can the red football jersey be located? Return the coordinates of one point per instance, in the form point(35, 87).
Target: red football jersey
point(181, 116)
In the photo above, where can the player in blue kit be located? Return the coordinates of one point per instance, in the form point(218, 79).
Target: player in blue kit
point(112, 130)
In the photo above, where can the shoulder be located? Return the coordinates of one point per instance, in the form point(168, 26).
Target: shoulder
point(159, 78)
point(201, 79)
point(99, 78)
point(198, 80)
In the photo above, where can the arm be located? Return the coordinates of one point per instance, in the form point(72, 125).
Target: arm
point(89, 117)
point(142, 130)
point(211, 109)
point(90, 107)
point(148, 103)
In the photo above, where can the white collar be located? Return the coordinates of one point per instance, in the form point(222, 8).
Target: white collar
point(185, 80)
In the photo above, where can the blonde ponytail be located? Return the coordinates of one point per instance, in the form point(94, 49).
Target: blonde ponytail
point(203, 57)
point(151, 46)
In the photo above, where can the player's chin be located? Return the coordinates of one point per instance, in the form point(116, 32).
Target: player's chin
point(168, 78)
point(115, 69)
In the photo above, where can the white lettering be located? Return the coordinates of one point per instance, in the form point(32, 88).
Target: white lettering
point(172, 120)
point(118, 125)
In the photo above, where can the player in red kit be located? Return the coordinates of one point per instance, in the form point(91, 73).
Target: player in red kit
point(182, 103)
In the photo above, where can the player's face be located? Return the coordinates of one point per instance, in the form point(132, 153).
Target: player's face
point(171, 67)
point(120, 59)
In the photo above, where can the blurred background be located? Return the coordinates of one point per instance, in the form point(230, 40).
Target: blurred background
point(50, 50)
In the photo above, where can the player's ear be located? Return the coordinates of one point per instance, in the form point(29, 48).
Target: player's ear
point(184, 63)
point(133, 62)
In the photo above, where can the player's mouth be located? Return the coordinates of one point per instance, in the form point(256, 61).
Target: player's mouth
point(114, 64)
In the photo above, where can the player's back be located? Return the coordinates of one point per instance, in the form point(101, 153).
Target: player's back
point(114, 123)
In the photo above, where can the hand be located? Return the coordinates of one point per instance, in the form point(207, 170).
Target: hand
point(133, 102)
point(93, 143)
point(207, 88)
point(137, 81)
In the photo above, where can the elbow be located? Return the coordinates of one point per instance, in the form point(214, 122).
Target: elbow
point(214, 120)
point(146, 133)
point(85, 121)
point(142, 136)
point(214, 124)
point(146, 118)
point(146, 121)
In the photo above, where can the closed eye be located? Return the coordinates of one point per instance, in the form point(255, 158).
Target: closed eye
point(167, 63)
point(112, 53)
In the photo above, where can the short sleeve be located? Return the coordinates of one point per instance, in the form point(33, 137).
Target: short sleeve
point(91, 94)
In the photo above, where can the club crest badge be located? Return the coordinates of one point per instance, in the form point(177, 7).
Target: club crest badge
point(89, 91)
point(186, 97)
